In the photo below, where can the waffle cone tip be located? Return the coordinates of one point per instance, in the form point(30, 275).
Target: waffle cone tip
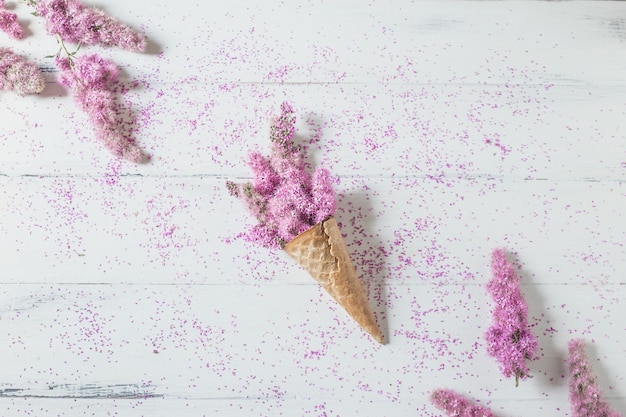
point(322, 252)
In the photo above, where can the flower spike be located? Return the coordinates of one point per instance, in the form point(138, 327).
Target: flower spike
point(584, 392)
point(509, 339)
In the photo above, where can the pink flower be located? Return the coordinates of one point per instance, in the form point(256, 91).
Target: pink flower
point(584, 393)
point(456, 405)
point(18, 74)
point(9, 23)
point(76, 23)
point(265, 178)
point(90, 71)
point(323, 195)
point(283, 196)
point(509, 339)
point(92, 80)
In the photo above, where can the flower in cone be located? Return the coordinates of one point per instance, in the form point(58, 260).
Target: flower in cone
point(294, 209)
point(283, 196)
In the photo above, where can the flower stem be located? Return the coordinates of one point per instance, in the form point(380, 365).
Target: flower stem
point(62, 47)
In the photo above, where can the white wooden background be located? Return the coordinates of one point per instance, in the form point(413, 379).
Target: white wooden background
point(453, 128)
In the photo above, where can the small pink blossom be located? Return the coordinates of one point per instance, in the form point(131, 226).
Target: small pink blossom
point(584, 392)
point(92, 80)
point(18, 74)
point(9, 23)
point(283, 196)
point(509, 339)
point(456, 405)
point(74, 22)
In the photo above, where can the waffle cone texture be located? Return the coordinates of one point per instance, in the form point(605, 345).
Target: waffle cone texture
point(322, 252)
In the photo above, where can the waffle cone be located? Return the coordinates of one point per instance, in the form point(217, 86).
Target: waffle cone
point(323, 253)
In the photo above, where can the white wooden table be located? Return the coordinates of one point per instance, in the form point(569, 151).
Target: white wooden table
point(453, 128)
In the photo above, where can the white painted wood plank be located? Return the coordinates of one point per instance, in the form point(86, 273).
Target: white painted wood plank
point(382, 42)
point(256, 407)
point(149, 230)
point(516, 88)
point(291, 347)
point(517, 131)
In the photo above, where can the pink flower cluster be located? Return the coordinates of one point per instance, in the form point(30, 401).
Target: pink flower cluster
point(76, 23)
point(283, 196)
point(18, 74)
point(584, 392)
point(456, 405)
point(92, 80)
point(9, 23)
point(509, 339)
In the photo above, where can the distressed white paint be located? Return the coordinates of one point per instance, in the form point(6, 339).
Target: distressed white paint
point(453, 128)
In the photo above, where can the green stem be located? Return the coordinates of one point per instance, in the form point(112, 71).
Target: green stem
point(31, 3)
point(62, 46)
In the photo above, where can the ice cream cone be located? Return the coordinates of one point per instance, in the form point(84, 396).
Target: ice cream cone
point(323, 253)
